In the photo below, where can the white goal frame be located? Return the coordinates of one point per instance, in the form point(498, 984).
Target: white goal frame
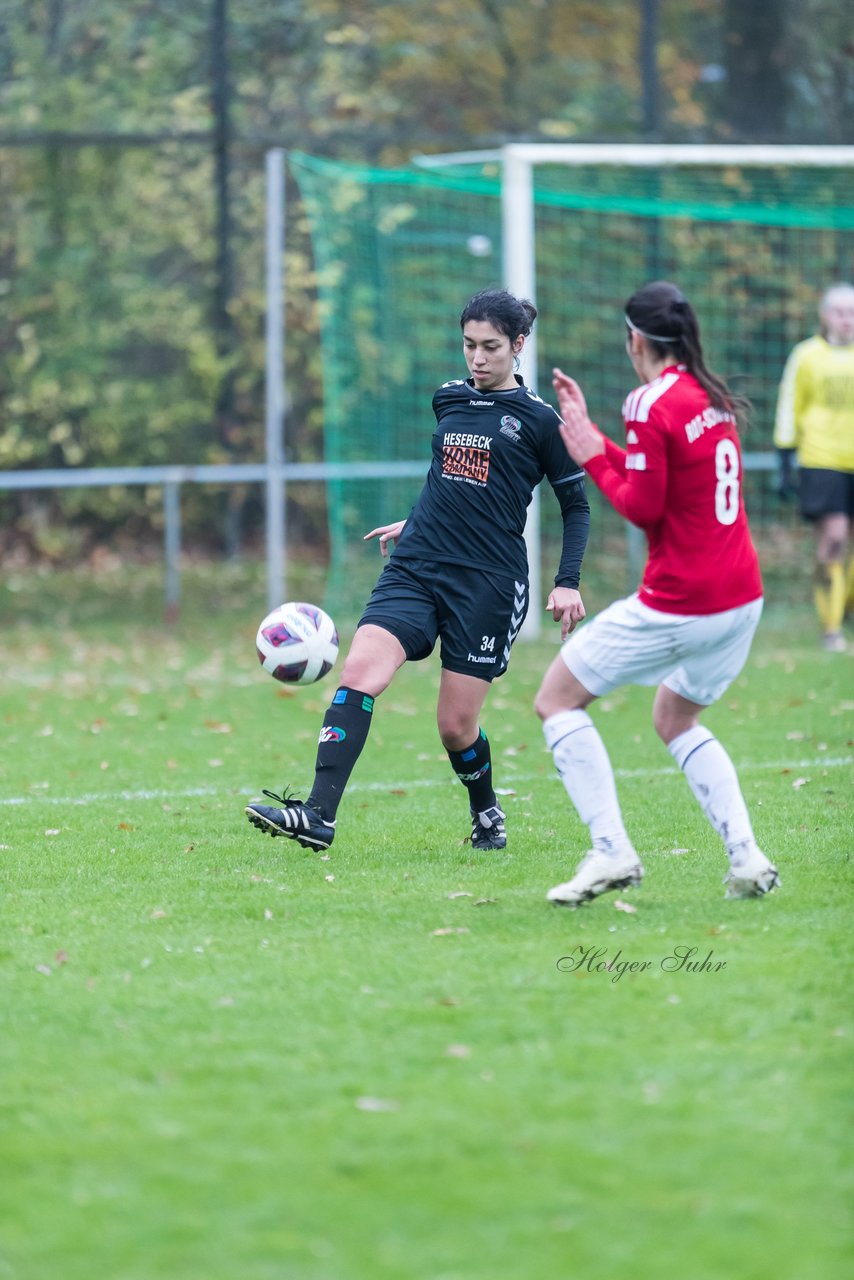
point(518, 160)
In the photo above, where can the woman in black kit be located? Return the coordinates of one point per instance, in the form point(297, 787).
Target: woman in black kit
point(458, 573)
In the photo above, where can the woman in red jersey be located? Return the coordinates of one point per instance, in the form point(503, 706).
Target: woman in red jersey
point(689, 628)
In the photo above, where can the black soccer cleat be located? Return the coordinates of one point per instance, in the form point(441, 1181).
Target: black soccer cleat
point(487, 829)
point(294, 820)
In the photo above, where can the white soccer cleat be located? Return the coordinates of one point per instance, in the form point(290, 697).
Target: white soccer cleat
point(598, 873)
point(752, 877)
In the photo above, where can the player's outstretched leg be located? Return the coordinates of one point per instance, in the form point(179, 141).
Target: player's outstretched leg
point(291, 818)
point(342, 736)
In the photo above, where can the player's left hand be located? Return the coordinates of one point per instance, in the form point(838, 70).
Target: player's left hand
point(582, 439)
point(567, 608)
point(387, 533)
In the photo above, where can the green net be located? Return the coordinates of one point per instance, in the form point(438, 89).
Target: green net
point(399, 252)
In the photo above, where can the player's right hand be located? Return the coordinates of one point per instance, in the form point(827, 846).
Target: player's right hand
point(581, 438)
point(386, 533)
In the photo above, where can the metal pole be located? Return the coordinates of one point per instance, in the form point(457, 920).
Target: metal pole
point(648, 58)
point(172, 547)
point(275, 380)
point(517, 212)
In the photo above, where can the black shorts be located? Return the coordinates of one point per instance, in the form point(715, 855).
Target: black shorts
point(826, 493)
point(474, 612)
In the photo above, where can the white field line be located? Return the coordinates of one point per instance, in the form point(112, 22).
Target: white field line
point(512, 780)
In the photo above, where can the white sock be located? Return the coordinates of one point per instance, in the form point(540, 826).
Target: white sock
point(582, 762)
point(711, 776)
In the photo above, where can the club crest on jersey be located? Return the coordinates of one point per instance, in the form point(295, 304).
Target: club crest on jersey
point(510, 427)
point(331, 733)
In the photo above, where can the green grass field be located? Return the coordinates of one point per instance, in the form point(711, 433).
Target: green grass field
point(225, 1058)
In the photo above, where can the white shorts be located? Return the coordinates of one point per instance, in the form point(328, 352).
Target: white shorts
point(696, 655)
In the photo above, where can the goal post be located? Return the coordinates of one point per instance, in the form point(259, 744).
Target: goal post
point(519, 162)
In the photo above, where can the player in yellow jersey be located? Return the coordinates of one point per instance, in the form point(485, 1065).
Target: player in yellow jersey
point(815, 421)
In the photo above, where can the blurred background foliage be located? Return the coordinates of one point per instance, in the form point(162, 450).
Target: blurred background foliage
point(132, 138)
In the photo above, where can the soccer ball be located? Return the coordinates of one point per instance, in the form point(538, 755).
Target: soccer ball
point(297, 643)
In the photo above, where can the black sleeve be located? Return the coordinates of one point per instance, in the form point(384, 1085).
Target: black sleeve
point(575, 510)
point(786, 487)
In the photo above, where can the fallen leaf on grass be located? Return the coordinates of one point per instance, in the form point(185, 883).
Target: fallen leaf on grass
point(61, 957)
point(625, 906)
point(441, 933)
point(799, 782)
point(460, 894)
point(458, 1051)
point(45, 969)
point(377, 1104)
point(484, 902)
point(52, 831)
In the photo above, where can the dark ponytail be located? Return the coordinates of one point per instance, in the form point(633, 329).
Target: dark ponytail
point(514, 317)
point(668, 322)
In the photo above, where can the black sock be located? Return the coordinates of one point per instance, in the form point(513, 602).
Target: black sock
point(344, 733)
point(473, 767)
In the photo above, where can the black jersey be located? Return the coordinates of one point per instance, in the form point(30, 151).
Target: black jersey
point(490, 451)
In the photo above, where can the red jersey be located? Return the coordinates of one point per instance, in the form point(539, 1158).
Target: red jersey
point(679, 479)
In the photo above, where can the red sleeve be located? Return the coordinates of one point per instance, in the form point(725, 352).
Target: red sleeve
point(633, 481)
point(615, 455)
